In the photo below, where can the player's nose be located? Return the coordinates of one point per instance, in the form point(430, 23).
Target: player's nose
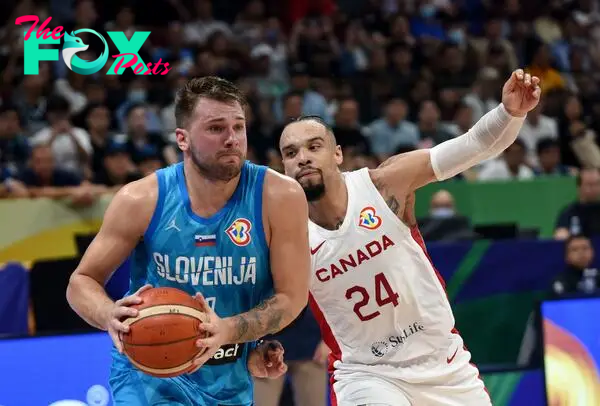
point(230, 138)
point(303, 158)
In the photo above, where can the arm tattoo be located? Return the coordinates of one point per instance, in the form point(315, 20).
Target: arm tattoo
point(267, 318)
point(388, 196)
point(389, 161)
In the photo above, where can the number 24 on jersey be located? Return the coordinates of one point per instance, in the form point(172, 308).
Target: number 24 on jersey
point(384, 295)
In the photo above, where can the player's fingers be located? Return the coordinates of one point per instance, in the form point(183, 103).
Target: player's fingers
point(117, 340)
point(283, 368)
point(274, 357)
point(260, 371)
point(203, 303)
point(527, 79)
point(122, 311)
point(208, 327)
point(129, 300)
point(274, 345)
point(143, 288)
point(135, 298)
point(537, 93)
point(207, 342)
point(518, 74)
point(118, 326)
point(201, 360)
point(535, 81)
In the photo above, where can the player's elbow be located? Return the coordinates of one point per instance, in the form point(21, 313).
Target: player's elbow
point(73, 289)
point(297, 300)
point(298, 303)
point(76, 289)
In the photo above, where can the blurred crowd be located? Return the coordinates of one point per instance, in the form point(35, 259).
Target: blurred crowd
point(389, 76)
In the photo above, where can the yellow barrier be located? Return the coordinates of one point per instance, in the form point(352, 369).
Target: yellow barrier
point(45, 229)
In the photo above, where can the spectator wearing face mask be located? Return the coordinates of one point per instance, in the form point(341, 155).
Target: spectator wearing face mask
point(442, 205)
point(443, 222)
point(137, 94)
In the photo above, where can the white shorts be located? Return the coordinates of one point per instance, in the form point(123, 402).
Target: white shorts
point(458, 385)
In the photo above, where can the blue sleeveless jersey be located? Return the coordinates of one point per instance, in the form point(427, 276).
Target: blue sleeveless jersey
point(226, 258)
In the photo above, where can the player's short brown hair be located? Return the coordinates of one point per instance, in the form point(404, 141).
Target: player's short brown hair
point(210, 87)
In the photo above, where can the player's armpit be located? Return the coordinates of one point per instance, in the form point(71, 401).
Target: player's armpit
point(402, 174)
point(125, 221)
point(287, 213)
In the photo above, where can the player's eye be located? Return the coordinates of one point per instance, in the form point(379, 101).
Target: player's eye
point(314, 147)
point(289, 154)
point(215, 129)
point(239, 127)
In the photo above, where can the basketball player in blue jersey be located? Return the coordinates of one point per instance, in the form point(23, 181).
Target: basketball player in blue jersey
point(231, 233)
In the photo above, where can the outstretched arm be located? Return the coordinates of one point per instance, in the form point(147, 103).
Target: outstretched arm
point(287, 213)
point(490, 136)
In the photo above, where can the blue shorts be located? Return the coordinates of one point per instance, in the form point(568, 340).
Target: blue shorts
point(209, 386)
point(134, 388)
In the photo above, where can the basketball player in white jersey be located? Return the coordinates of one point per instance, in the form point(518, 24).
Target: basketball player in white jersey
point(380, 302)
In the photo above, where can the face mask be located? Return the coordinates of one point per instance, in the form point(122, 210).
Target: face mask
point(456, 36)
point(137, 96)
point(442, 213)
point(428, 11)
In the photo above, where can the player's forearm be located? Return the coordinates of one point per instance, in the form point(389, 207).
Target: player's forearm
point(490, 136)
point(88, 299)
point(269, 317)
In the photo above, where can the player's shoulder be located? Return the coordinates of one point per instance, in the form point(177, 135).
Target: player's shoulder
point(133, 206)
point(138, 194)
point(282, 188)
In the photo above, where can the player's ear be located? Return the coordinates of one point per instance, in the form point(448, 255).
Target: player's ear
point(183, 139)
point(339, 156)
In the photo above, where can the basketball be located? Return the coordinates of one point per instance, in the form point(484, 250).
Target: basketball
point(162, 338)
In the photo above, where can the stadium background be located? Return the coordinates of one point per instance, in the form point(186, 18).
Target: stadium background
point(389, 76)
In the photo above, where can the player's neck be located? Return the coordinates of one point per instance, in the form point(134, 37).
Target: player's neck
point(330, 210)
point(207, 196)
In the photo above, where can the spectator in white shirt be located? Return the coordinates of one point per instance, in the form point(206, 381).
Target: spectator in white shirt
point(535, 128)
point(511, 165)
point(71, 146)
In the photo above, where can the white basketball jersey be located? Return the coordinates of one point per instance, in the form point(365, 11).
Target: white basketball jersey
point(374, 287)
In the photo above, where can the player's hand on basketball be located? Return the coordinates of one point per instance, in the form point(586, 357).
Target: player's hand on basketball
point(217, 333)
point(119, 311)
point(266, 360)
point(321, 353)
point(521, 93)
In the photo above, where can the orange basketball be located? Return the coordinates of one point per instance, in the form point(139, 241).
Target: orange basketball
point(162, 338)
